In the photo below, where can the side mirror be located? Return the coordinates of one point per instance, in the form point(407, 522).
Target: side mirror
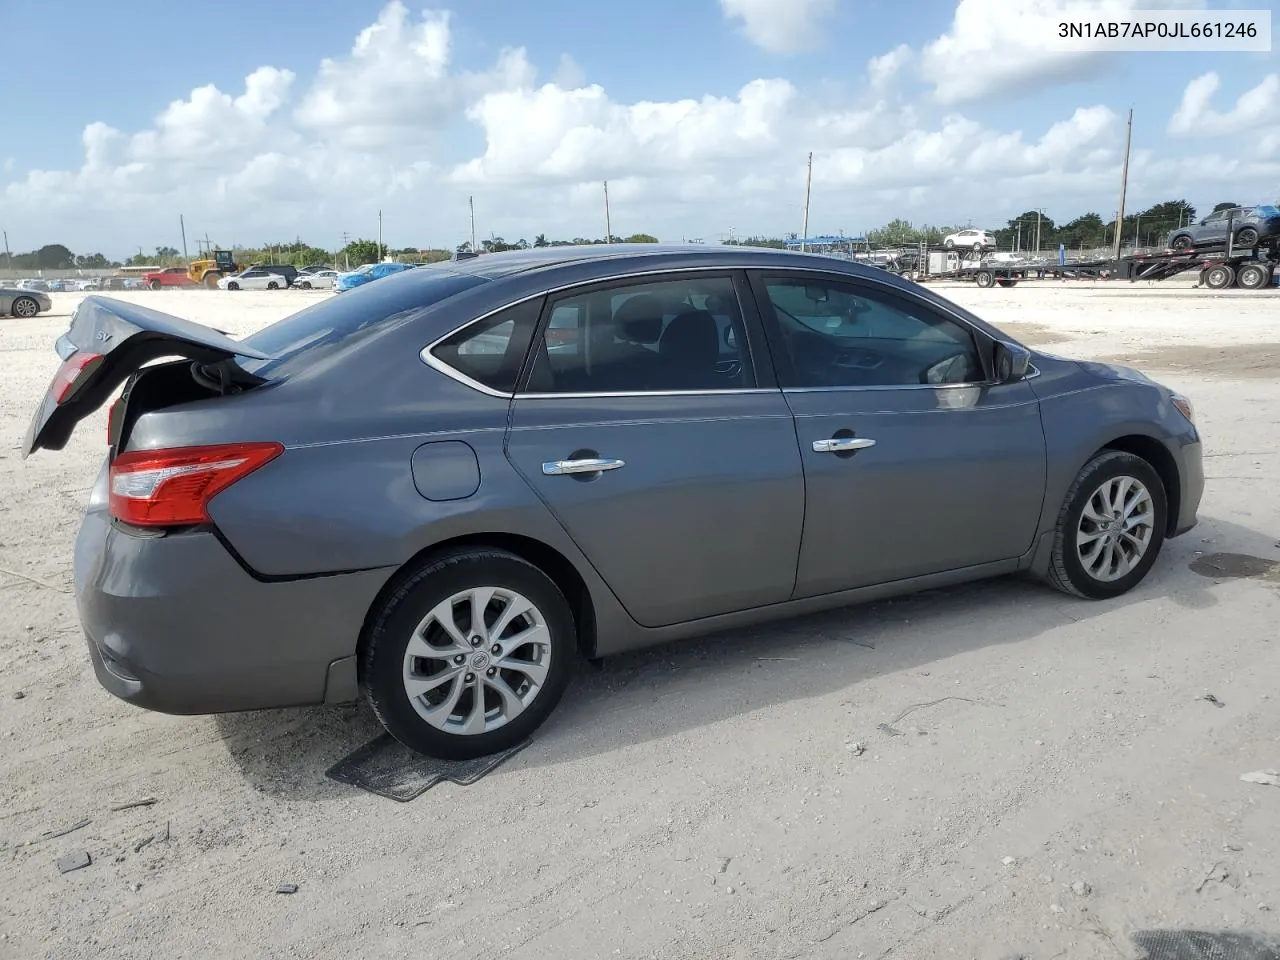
point(1012, 362)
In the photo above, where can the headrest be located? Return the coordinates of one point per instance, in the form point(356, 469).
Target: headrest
point(639, 319)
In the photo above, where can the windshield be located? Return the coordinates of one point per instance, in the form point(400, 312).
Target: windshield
point(331, 322)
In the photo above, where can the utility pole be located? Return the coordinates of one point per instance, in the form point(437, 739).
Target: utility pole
point(808, 187)
point(1124, 185)
point(380, 253)
point(8, 257)
point(471, 203)
point(608, 228)
point(183, 227)
point(1038, 213)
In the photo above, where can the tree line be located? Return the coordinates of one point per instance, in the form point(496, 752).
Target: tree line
point(1149, 227)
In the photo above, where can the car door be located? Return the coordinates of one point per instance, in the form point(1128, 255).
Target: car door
point(1213, 228)
point(915, 462)
point(648, 429)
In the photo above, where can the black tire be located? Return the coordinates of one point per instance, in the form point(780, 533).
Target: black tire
point(950, 244)
point(986, 278)
point(305, 284)
point(977, 248)
point(1066, 570)
point(24, 307)
point(1182, 242)
point(232, 285)
point(1247, 237)
point(1219, 277)
point(392, 625)
point(1253, 276)
point(272, 285)
point(155, 285)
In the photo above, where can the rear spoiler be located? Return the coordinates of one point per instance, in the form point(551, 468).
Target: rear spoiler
point(108, 341)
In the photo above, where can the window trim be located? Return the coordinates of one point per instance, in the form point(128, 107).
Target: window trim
point(982, 341)
point(760, 347)
point(430, 359)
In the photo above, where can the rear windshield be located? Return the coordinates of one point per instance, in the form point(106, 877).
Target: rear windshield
point(330, 323)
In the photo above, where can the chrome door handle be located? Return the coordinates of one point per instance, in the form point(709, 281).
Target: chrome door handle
point(559, 468)
point(842, 444)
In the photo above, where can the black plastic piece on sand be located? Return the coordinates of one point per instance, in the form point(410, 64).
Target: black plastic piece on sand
point(1204, 945)
point(390, 769)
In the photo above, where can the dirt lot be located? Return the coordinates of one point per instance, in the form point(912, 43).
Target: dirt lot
point(1042, 777)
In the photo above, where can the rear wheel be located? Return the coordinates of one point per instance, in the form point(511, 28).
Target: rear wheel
point(272, 285)
point(1253, 276)
point(1111, 527)
point(155, 285)
point(469, 655)
point(25, 307)
point(1219, 277)
point(1247, 237)
point(1007, 281)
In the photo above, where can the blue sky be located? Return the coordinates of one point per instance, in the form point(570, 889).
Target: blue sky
point(415, 136)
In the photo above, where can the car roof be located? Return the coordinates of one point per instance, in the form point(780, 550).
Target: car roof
point(495, 266)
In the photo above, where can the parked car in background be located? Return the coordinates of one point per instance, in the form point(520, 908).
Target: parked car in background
point(23, 302)
point(33, 284)
point(168, 277)
point(316, 280)
point(367, 274)
point(734, 435)
point(1249, 226)
point(314, 268)
point(969, 240)
point(115, 283)
point(285, 270)
point(255, 278)
point(61, 286)
point(89, 283)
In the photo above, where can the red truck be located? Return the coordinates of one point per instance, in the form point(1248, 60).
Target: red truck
point(168, 277)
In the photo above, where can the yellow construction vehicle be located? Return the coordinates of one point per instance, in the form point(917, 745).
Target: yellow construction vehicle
point(207, 272)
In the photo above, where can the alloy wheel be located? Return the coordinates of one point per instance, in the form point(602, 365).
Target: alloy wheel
point(1115, 528)
point(477, 660)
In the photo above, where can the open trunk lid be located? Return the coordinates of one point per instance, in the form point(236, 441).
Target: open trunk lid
point(108, 341)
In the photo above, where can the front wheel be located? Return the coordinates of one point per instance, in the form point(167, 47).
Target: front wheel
point(1181, 243)
point(1111, 527)
point(233, 285)
point(986, 278)
point(950, 244)
point(25, 308)
point(469, 655)
point(305, 284)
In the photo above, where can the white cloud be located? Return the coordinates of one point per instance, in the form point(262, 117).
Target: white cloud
point(568, 74)
point(780, 26)
point(1012, 47)
point(278, 158)
point(1255, 109)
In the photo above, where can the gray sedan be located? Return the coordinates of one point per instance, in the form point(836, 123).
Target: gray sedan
point(16, 302)
point(443, 488)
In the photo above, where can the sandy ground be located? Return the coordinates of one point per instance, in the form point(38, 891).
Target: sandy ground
point(703, 800)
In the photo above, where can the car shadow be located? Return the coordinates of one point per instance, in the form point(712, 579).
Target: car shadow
point(632, 698)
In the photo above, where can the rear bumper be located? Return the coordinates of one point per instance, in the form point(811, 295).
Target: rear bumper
point(175, 624)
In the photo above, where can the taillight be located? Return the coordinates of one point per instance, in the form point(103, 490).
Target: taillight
point(74, 371)
point(167, 488)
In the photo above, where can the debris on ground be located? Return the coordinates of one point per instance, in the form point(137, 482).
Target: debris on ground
point(1268, 778)
point(856, 747)
point(1210, 698)
point(18, 694)
point(74, 861)
point(1009, 861)
point(287, 888)
point(1219, 873)
point(1081, 888)
point(137, 847)
point(144, 802)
